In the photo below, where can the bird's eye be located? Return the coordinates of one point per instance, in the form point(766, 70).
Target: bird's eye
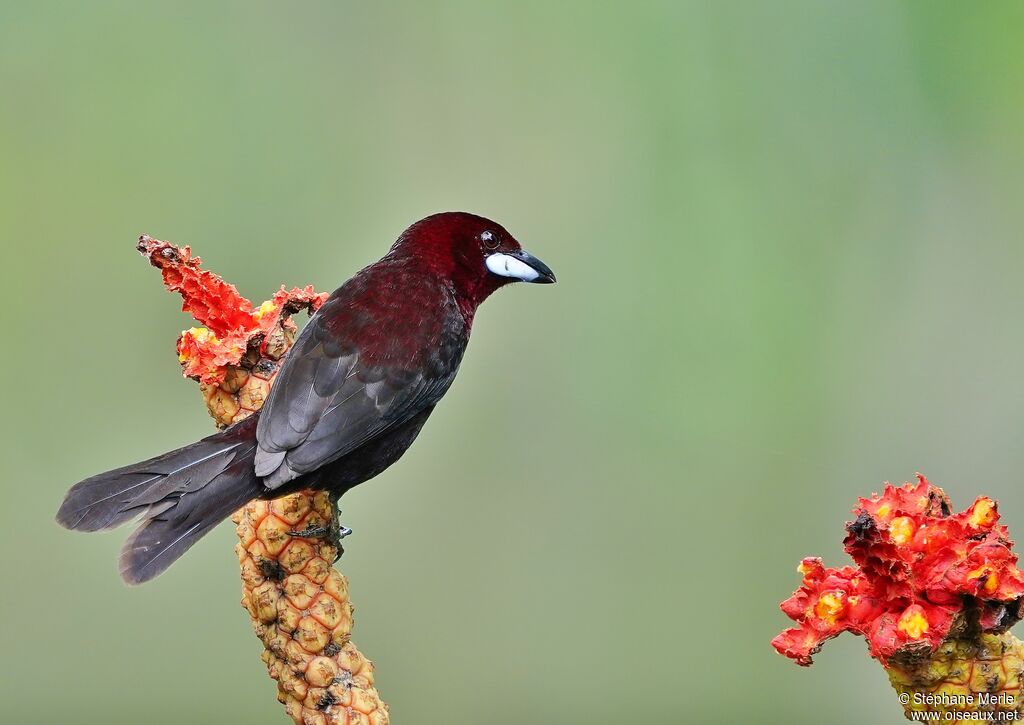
point(490, 239)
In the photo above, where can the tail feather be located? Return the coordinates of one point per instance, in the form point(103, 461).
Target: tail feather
point(166, 535)
point(116, 497)
point(180, 496)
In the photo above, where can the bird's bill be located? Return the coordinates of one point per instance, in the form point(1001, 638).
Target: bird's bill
point(520, 265)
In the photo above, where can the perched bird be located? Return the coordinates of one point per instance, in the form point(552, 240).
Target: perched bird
point(351, 396)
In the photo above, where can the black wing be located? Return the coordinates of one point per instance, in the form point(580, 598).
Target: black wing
point(328, 399)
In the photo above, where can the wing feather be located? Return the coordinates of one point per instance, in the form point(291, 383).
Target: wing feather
point(328, 398)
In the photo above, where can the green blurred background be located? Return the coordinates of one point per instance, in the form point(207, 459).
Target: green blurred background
point(789, 258)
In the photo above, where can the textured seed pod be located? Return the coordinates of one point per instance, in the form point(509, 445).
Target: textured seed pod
point(297, 600)
point(971, 676)
point(301, 611)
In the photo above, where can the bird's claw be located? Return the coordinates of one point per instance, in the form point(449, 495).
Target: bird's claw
point(333, 533)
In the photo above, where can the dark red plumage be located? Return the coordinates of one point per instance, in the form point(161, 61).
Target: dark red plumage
point(350, 398)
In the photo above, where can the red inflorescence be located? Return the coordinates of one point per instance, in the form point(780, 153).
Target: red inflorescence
point(921, 572)
point(231, 324)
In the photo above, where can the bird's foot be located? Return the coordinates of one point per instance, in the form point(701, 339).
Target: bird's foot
point(333, 533)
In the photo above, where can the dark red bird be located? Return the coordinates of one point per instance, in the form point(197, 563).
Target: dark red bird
point(351, 396)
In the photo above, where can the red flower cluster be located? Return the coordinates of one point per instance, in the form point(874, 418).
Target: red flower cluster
point(921, 574)
point(231, 325)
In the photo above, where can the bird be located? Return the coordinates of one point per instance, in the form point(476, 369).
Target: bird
point(351, 396)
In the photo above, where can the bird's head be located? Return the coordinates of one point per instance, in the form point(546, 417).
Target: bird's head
point(475, 254)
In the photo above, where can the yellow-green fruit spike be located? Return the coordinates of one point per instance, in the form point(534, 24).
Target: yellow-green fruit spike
point(975, 679)
point(300, 610)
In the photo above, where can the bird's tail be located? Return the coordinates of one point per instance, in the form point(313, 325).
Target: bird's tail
point(179, 496)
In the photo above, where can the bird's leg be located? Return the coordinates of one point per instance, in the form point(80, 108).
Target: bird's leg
point(333, 531)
